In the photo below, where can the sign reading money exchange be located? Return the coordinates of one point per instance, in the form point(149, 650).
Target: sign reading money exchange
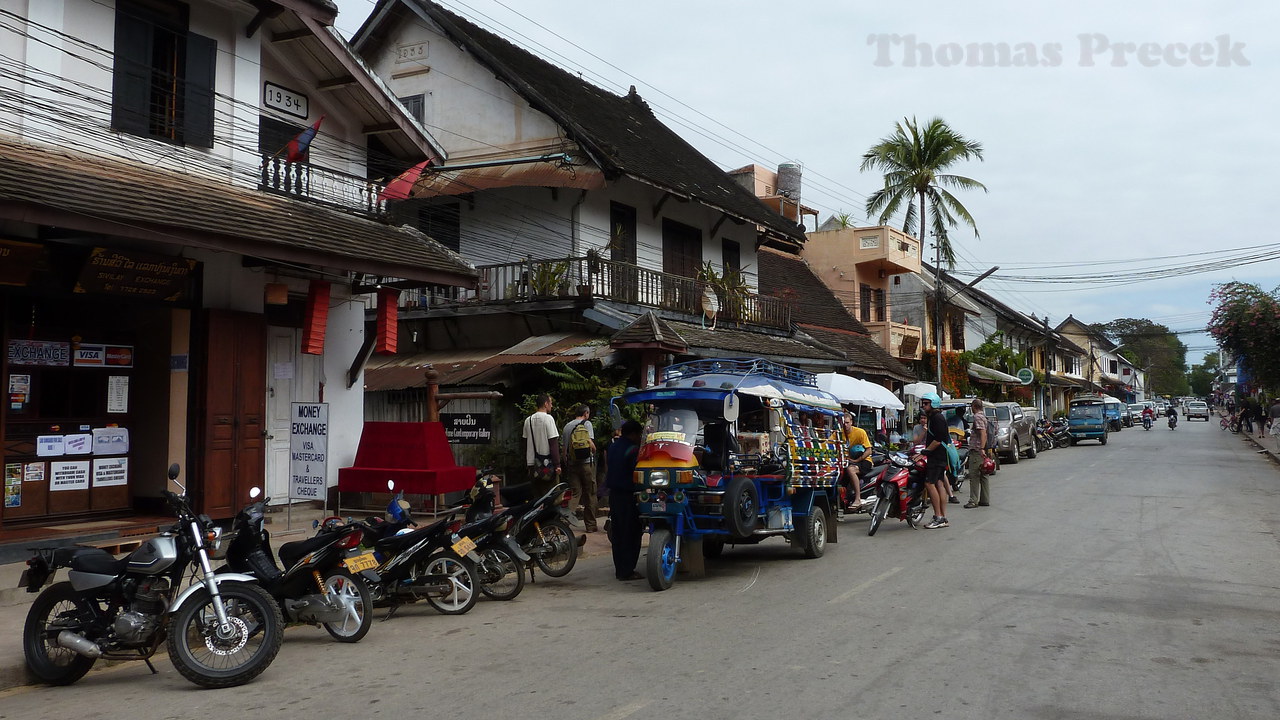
point(308, 450)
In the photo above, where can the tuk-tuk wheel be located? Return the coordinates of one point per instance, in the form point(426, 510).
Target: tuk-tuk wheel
point(660, 562)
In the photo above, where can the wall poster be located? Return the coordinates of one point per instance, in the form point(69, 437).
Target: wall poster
point(69, 475)
point(118, 394)
point(110, 471)
point(13, 485)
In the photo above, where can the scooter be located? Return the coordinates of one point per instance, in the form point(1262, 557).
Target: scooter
point(1146, 422)
point(502, 560)
point(901, 493)
point(319, 584)
point(1173, 422)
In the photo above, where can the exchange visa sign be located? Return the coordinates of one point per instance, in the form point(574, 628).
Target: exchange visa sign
point(308, 450)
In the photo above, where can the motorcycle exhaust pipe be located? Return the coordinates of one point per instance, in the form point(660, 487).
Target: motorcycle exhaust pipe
point(79, 643)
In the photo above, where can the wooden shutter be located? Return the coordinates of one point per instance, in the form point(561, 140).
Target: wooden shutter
point(197, 100)
point(131, 82)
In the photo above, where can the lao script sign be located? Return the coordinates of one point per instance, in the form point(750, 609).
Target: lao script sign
point(308, 450)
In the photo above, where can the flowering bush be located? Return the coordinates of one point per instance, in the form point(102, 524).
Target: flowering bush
point(1246, 323)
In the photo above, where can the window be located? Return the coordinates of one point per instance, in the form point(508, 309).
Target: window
point(416, 105)
point(957, 333)
point(731, 255)
point(879, 302)
point(162, 83)
point(443, 223)
point(864, 302)
point(622, 233)
point(1115, 366)
point(274, 135)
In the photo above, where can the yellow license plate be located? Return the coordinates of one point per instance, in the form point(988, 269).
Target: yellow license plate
point(464, 546)
point(360, 563)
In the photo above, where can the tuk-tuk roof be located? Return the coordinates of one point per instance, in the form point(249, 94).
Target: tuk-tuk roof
point(714, 379)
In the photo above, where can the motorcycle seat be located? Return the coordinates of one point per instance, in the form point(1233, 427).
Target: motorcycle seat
point(97, 561)
point(396, 543)
point(292, 552)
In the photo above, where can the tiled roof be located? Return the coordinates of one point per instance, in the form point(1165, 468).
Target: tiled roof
point(790, 277)
point(750, 343)
point(113, 196)
point(649, 329)
point(863, 353)
point(620, 132)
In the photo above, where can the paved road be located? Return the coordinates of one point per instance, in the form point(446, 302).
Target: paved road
point(1136, 580)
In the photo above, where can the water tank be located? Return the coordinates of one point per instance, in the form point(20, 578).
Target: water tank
point(789, 187)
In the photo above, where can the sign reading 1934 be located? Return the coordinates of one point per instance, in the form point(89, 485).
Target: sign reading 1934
point(281, 98)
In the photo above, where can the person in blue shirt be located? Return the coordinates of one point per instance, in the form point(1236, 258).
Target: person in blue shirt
point(625, 530)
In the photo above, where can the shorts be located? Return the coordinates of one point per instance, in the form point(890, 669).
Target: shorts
point(863, 467)
point(936, 470)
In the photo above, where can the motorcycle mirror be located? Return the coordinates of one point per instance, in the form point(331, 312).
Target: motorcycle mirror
point(391, 484)
point(254, 493)
point(174, 470)
point(315, 524)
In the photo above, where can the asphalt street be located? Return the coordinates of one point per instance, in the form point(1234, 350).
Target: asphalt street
point(1135, 580)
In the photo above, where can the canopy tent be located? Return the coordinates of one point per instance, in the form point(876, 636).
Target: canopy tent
point(852, 391)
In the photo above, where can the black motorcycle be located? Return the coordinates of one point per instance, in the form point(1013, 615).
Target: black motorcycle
point(430, 563)
point(502, 561)
point(541, 529)
point(222, 630)
point(317, 585)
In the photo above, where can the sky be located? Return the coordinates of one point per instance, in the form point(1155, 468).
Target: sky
point(1118, 137)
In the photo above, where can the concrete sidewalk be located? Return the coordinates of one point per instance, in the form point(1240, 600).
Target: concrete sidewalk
point(15, 601)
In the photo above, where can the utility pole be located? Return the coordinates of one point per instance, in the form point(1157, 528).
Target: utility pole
point(937, 301)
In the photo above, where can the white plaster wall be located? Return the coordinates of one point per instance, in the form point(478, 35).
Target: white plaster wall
point(467, 109)
point(342, 342)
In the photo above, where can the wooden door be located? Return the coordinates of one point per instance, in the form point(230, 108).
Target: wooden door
point(681, 255)
point(233, 425)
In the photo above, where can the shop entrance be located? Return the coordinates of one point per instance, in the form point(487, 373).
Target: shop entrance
point(294, 377)
point(233, 429)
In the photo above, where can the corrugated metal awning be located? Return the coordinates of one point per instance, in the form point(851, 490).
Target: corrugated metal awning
point(483, 365)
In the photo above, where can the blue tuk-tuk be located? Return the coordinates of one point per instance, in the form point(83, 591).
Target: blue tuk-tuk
point(736, 451)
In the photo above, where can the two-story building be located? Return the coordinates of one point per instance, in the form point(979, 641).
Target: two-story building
point(582, 211)
point(188, 245)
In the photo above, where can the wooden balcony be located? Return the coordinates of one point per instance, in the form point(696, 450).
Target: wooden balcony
point(904, 342)
point(597, 278)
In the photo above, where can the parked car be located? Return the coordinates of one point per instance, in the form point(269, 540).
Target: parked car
point(1197, 409)
point(1014, 430)
point(1126, 415)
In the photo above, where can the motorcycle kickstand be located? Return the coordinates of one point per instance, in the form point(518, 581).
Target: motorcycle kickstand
point(391, 611)
point(150, 667)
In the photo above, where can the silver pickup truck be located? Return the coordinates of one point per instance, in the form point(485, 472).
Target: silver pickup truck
point(1014, 429)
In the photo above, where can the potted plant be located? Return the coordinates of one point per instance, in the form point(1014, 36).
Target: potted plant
point(549, 278)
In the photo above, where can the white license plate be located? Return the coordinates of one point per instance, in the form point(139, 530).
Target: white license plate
point(657, 507)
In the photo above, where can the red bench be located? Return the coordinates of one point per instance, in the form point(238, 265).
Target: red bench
point(414, 454)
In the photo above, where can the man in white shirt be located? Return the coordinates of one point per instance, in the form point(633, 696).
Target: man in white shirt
point(542, 447)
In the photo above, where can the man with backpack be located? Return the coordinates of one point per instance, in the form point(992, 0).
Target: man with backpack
point(580, 465)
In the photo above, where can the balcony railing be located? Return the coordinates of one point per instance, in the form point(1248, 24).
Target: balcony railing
point(593, 277)
point(902, 341)
point(321, 185)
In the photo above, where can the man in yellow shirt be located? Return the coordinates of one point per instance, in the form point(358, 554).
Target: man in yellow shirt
point(859, 457)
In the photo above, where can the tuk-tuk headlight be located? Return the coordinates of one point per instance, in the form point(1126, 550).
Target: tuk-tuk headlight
point(659, 478)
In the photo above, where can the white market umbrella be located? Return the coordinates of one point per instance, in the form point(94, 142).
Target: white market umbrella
point(852, 391)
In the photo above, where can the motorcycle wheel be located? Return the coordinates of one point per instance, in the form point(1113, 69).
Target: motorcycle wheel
point(562, 549)
point(878, 515)
point(210, 660)
point(811, 535)
point(660, 560)
point(501, 577)
point(58, 608)
point(354, 593)
point(461, 596)
point(1065, 442)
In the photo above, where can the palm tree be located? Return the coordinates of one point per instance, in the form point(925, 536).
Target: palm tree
point(914, 162)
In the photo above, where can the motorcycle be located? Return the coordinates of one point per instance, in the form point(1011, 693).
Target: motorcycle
point(429, 563)
point(541, 531)
point(868, 482)
point(900, 492)
point(502, 561)
point(1061, 433)
point(1044, 436)
point(1173, 422)
point(223, 630)
point(319, 585)
point(1146, 422)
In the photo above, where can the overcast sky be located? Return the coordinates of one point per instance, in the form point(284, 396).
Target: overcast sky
point(1112, 131)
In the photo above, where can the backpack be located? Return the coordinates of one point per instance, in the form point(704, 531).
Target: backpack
point(580, 441)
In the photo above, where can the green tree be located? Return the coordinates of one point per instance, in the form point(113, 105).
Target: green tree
point(1246, 323)
point(1201, 380)
point(914, 161)
point(1154, 348)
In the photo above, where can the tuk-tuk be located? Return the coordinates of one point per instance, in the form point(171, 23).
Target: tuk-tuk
point(1087, 419)
point(736, 451)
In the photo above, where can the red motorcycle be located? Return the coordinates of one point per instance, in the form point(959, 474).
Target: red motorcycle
point(900, 492)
